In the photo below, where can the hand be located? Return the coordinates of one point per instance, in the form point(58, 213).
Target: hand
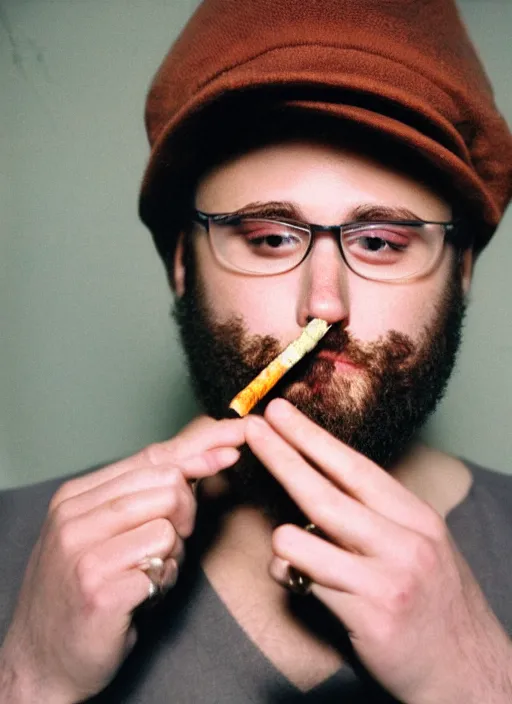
point(388, 569)
point(72, 627)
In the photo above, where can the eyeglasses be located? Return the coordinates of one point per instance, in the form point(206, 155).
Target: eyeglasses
point(390, 250)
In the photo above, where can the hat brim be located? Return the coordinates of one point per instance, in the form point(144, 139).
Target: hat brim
point(168, 173)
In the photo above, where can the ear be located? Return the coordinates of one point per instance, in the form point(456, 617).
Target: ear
point(179, 267)
point(466, 265)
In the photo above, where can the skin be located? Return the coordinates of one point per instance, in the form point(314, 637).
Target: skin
point(327, 185)
point(72, 627)
point(389, 569)
point(415, 614)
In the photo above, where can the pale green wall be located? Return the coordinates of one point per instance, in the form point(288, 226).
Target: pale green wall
point(89, 367)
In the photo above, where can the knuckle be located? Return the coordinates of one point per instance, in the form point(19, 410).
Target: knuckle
point(188, 518)
point(164, 475)
point(64, 492)
point(356, 469)
point(327, 512)
point(66, 538)
point(172, 502)
point(435, 527)
point(172, 476)
point(165, 532)
point(60, 513)
point(87, 577)
point(423, 558)
point(399, 597)
point(155, 454)
point(122, 504)
point(282, 539)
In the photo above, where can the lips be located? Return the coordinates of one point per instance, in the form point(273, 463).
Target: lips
point(339, 359)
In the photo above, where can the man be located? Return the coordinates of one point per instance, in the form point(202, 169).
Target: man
point(342, 161)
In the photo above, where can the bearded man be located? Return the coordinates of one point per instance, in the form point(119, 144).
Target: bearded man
point(336, 161)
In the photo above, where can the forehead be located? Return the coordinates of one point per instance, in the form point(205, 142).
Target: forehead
point(325, 181)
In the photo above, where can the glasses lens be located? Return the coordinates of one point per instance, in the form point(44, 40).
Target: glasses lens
point(259, 246)
point(389, 252)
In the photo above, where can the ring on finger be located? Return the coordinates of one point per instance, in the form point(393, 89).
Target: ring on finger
point(154, 569)
point(298, 582)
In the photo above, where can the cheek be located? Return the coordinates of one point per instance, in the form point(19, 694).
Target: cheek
point(265, 304)
point(376, 309)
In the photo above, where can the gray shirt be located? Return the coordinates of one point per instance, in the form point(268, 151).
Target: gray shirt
point(191, 650)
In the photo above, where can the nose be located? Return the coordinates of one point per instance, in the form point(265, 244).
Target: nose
point(324, 290)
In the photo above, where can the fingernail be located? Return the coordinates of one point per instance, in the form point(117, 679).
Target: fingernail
point(257, 422)
point(279, 407)
point(227, 456)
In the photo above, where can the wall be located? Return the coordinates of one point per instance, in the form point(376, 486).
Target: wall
point(89, 364)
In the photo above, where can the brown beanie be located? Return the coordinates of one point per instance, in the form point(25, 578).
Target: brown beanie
point(404, 69)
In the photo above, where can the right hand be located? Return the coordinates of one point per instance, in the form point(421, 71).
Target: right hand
point(72, 627)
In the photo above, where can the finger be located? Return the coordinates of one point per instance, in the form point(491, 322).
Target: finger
point(348, 469)
point(169, 479)
point(114, 600)
point(209, 462)
point(325, 564)
point(115, 517)
point(341, 517)
point(164, 579)
point(278, 569)
point(120, 596)
point(122, 552)
point(358, 615)
point(200, 436)
point(204, 434)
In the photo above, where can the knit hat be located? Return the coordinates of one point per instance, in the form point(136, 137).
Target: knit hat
point(403, 69)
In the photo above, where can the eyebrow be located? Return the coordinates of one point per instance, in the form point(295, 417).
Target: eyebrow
point(366, 212)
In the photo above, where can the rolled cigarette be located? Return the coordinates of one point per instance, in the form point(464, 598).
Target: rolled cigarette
point(266, 379)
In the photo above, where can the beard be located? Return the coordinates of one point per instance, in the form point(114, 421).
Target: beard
point(377, 410)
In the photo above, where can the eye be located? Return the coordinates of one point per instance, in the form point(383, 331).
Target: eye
point(380, 244)
point(270, 239)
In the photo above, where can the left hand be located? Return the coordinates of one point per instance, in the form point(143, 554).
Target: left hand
point(389, 570)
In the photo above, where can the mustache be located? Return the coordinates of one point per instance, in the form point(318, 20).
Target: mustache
point(338, 340)
point(394, 350)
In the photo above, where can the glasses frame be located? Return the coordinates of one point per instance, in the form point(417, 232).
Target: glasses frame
point(451, 235)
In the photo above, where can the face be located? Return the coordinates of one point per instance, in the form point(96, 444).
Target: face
point(326, 186)
point(376, 363)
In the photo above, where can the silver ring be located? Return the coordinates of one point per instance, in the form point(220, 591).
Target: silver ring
point(300, 583)
point(153, 589)
point(153, 568)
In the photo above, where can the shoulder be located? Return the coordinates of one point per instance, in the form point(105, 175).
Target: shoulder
point(22, 511)
point(488, 504)
point(491, 482)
